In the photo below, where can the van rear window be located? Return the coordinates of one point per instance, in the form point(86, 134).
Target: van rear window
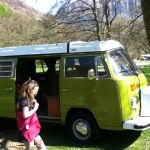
point(6, 68)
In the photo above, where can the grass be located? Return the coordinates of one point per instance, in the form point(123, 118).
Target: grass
point(146, 71)
point(56, 138)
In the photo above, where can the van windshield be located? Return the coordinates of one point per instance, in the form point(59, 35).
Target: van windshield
point(121, 62)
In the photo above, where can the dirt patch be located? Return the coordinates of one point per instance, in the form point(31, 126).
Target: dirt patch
point(10, 138)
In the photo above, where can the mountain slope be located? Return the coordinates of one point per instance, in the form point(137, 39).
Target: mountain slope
point(19, 7)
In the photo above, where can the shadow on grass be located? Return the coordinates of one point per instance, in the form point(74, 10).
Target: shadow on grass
point(57, 135)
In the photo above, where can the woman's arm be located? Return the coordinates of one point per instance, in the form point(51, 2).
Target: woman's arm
point(27, 113)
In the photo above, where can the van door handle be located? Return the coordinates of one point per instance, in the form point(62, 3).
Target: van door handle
point(65, 90)
point(8, 89)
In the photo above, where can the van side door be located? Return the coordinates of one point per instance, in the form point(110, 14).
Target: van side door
point(7, 87)
point(75, 86)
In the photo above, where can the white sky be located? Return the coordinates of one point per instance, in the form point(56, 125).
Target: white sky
point(41, 5)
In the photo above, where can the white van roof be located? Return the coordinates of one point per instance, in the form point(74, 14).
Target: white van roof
point(93, 46)
point(60, 48)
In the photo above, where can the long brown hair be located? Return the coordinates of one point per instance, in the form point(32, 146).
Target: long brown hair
point(26, 90)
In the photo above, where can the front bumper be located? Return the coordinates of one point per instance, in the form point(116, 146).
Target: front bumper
point(143, 121)
point(139, 124)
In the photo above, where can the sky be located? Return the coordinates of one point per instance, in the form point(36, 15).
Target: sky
point(41, 5)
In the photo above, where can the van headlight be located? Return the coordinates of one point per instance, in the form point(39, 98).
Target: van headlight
point(133, 102)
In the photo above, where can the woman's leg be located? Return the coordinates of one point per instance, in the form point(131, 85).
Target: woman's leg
point(39, 143)
point(30, 146)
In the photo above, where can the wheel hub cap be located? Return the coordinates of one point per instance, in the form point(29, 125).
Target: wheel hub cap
point(82, 129)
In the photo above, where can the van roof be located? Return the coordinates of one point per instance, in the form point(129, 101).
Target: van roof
point(60, 48)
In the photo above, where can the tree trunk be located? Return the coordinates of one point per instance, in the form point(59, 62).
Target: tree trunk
point(146, 16)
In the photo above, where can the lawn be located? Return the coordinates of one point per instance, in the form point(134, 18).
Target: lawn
point(146, 71)
point(56, 138)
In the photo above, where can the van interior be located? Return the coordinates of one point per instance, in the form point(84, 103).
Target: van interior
point(46, 72)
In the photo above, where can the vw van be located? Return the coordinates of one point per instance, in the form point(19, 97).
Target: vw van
point(87, 86)
point(143, 61)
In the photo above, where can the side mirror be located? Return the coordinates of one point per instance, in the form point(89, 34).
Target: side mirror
point(91, 74)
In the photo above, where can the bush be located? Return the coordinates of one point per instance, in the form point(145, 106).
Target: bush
point(4, 11)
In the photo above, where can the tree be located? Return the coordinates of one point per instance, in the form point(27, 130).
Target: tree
point(146, 14)
point(98, 20)
point(20, 30)
point(93, 18)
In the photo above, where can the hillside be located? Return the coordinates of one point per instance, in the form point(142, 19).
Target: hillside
point(19, 7)
point(20, 24)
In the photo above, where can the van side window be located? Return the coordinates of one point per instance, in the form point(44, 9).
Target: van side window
point(79, 66)
point(101, 71)
point(6, 68)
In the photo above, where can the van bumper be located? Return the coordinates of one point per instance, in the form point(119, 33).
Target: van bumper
point(139, 124)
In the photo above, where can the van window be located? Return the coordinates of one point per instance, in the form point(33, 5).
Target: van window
point(79, 66)
point(40, 66)
point(6, 68)
point(101, 71)
point(121, 62)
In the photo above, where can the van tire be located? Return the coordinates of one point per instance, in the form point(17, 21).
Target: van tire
point(83, 128)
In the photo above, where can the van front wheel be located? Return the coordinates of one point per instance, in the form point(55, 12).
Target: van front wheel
point(83, 128)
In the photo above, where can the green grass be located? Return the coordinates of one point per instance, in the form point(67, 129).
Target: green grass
point(57, 138)
point(146, 71)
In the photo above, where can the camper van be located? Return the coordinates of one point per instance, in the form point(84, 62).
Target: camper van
point(143, 61)
point(87, 86)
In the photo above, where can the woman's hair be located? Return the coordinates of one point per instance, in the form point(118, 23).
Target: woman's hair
point(26, 90)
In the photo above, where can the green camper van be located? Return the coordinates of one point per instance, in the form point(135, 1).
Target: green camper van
point(87, 86)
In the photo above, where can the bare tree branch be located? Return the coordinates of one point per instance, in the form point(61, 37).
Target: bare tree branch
point(132, 21)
